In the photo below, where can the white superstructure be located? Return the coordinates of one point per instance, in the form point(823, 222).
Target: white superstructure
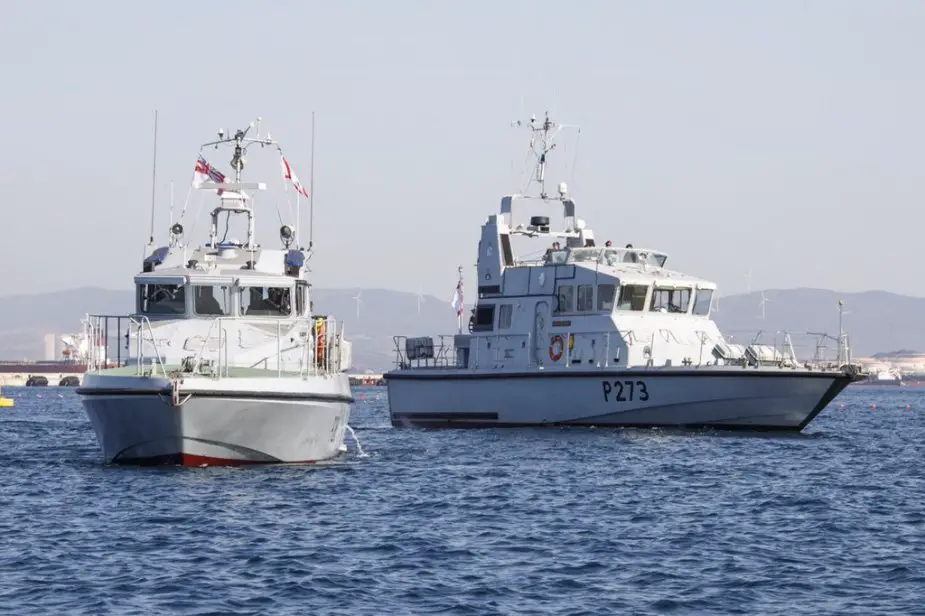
point(594, 334)
point(224, 360)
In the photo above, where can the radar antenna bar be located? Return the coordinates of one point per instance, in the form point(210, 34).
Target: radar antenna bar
point(546, 132)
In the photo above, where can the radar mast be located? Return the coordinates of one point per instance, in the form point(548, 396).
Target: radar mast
point(542, 143)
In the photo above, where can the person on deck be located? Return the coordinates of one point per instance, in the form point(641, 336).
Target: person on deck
point(548, 256)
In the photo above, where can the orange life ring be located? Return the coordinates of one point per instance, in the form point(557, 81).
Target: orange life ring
point(556, 347)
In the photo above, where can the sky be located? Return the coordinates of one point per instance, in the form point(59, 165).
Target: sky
point(781, 138)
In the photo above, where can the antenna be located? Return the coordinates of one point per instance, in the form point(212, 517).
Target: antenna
point(241, 142)
point(547, 131)
point(311, 191)
point(153, 182)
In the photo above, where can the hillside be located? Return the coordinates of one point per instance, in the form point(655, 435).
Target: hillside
point(877, 321)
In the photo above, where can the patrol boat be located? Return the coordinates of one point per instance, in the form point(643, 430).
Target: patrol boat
point(222, 361)
point(597, 335)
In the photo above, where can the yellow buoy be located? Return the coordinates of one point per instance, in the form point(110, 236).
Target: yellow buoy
point(6, 402)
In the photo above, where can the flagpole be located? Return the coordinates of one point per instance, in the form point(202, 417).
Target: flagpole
point(153, 181)
point(311, 190)
point(459, 312)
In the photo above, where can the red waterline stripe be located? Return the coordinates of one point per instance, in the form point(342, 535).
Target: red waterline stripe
point(189, 459)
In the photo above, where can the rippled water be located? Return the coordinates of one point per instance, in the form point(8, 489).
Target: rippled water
point(564, 521)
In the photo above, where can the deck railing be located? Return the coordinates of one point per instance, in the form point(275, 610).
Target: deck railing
point(305, 347)
point(763, 348)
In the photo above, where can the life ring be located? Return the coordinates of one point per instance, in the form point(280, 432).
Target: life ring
point(556, 347)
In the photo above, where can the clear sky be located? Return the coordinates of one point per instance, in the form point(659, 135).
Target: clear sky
point(781, 137)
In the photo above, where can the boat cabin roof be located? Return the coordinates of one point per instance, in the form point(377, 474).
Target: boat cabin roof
point(248, 278)
point(225, 263)
point(629, 265)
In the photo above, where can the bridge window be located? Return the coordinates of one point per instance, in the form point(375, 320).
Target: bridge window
point(583, 255)
point(670, 300)
point(565, 299)
point(301, 293)
point(632, 297)
point(614, 256)
point(702, 302)
point(505, 315)
point(161, 299)
point(605, 295)
point(484, 318)
point(266, 301)
point(585, 298)
point(212, 300)
point(558, 257)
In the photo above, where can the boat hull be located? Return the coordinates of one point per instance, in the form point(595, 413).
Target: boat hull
point(144, 425)
point(732, 399)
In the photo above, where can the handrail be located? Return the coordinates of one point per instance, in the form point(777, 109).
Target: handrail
point(160, 362)
point(205, 343)
point(703, 349)
point(312, 355)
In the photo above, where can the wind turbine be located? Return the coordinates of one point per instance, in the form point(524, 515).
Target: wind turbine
point(420, 298)
point(357, 299)
point(748, 281)
point(764, 300)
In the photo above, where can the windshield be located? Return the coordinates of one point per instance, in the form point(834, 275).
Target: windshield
point(615, 256)
point(161, 299)
point(265, 301)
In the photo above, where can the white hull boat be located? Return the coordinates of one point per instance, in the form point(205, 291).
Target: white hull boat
point(754, 399)
point(223, 361)
point(598, 336)
point(141, 420)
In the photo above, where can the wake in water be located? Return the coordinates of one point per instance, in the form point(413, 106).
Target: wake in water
point(356, 440)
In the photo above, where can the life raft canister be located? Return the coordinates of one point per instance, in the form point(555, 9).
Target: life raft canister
point(556, 347)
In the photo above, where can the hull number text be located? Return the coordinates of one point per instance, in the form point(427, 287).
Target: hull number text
point(625, 391)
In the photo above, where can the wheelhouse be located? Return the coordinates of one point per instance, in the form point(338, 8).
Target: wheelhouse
point(177, 297)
